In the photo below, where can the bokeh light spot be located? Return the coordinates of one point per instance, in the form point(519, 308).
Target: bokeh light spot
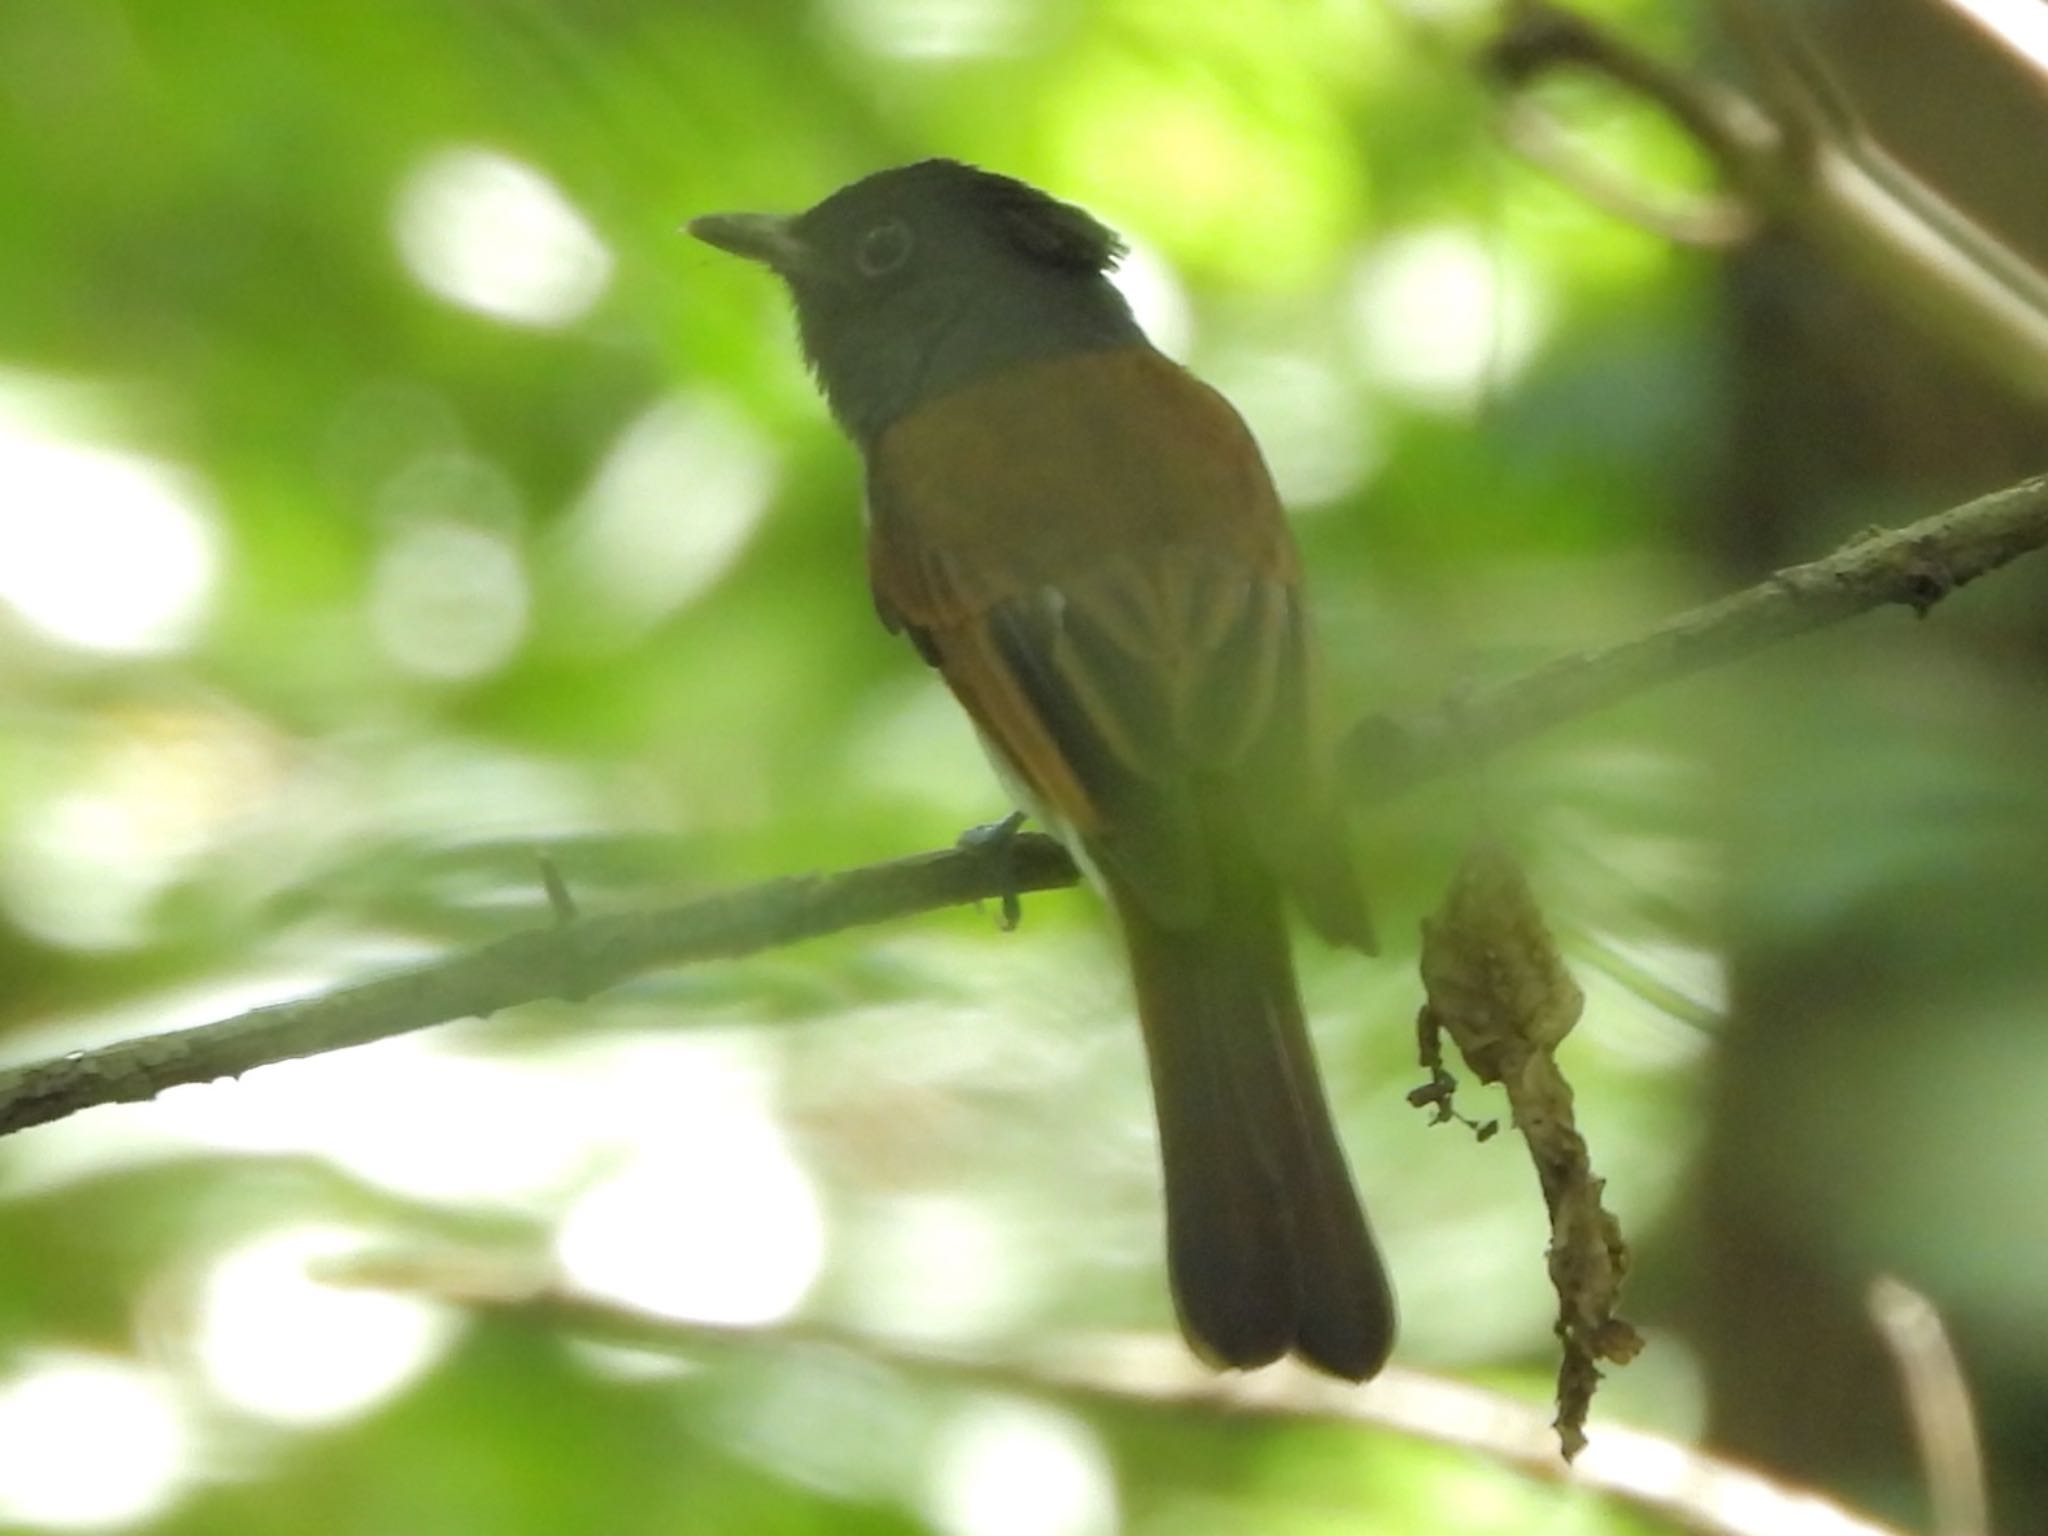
point(1440, 317)
point(412, 1115)
point(1006, 1468)
point(672, 508)
point(1312, 422)
point(494, 235)
point(707, 1215)
point(941, 1268)
point(449, 599)
point(934, 30)
point(79, 874)
point(278, 1343)
point(87, 1442)
point(731, 1236)
point(140, 795)
point(98, 548)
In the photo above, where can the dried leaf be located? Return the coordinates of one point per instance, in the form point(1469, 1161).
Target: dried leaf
point(1497, 985)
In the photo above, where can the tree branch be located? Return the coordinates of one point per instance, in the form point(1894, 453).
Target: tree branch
point(1677, 1483)
point(1802, 158)
point(569, 960)
point(1915, 566)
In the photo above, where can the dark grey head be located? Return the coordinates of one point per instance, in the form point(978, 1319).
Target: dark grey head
point(917, 280)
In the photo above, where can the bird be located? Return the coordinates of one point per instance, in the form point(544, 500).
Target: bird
point(1084, 541)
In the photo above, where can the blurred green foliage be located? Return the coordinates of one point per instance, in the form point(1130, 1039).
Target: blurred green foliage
point(390, 491)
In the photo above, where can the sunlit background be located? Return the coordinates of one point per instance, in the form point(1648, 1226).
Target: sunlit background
point(388, 493)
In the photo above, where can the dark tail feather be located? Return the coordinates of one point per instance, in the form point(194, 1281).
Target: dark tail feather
point(1266, 1241)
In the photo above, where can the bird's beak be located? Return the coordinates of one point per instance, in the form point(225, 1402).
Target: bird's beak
point(763, 237)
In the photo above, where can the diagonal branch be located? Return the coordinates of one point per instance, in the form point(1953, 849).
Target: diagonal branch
point(568, 960)
point(1798, 156)
point(1915, 566)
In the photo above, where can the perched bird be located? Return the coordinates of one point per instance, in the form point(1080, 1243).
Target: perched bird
point(1084, 541)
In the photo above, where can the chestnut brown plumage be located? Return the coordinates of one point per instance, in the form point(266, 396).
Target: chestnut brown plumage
point(1084, 541)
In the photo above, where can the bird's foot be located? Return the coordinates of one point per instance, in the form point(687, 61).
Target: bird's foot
point(997, 840)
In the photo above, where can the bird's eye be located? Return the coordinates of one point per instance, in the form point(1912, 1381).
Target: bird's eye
point(883, 249)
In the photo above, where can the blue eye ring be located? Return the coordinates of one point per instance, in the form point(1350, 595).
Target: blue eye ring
point(883, 249)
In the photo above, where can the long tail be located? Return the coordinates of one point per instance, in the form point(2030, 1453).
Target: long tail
point(1266, 1241)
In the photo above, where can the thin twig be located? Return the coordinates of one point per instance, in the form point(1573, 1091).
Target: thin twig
point(1916, 566)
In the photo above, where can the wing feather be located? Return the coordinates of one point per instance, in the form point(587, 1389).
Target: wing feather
point(1120, 616)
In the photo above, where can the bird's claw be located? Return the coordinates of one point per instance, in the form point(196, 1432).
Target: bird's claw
point(997, 840)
